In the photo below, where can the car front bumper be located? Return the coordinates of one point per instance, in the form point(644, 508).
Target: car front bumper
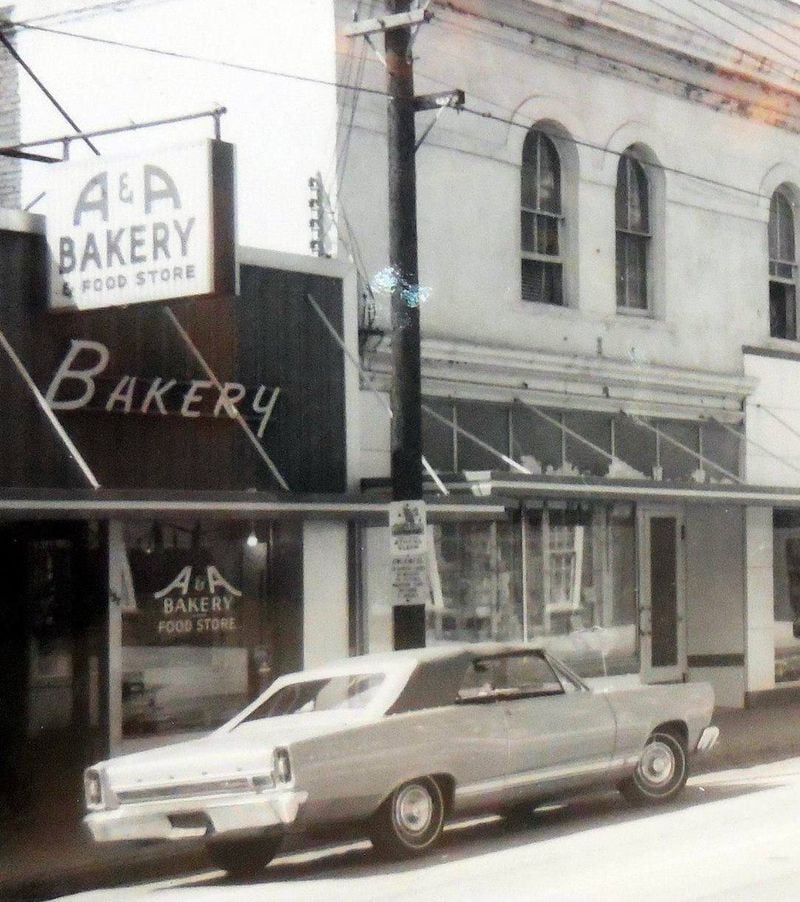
point(196, 816)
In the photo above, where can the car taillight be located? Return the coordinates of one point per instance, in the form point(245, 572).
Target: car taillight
point(282, 766)
point(93, 789)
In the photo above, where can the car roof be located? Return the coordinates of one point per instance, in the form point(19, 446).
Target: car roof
point(429, 654)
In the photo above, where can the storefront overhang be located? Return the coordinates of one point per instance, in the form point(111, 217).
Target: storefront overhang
point(108, 504)
point(525, 488)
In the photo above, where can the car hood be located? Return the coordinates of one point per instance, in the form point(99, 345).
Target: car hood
point(226, 753)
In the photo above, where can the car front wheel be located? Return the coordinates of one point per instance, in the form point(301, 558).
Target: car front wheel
point(243, 857)
point(410, 821)
point(661, 772)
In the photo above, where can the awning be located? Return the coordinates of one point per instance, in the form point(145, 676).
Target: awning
point(52, 504)
point(510, 486)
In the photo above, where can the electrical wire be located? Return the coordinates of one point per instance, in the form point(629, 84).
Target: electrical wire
point(482, 114)
point(743, 30)
point(43, 88)
point(188, 57)
point(91, 11)
point(734, 8)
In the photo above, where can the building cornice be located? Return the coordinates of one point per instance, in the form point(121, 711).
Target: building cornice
point(461, 370)
point(663, 54)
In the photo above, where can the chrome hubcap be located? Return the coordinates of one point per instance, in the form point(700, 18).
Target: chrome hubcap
point(413, 809)
point(657, 766)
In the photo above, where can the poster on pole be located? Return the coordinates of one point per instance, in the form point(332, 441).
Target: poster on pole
point(408, 552)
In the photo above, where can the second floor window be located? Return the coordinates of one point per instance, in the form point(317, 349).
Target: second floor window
point(633, 234)
point(782, 268)
point(542, 221)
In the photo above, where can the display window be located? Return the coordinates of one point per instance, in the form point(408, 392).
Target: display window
point(197, 631)
point(579, 566)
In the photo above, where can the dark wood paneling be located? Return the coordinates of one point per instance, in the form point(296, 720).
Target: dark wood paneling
point(269, 335)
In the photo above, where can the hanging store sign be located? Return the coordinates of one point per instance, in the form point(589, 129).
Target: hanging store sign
point(151, 228)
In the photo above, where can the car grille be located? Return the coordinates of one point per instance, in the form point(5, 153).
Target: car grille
point(183, 790)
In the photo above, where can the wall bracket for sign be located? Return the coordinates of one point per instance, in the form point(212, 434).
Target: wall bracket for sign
point(22, 150)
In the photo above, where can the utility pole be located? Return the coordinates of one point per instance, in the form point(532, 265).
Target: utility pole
point(406, 432)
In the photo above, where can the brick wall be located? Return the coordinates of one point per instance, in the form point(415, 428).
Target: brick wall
point(9, 123)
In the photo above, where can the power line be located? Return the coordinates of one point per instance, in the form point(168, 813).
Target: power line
point(42, 87)
point(188, 57)
point(91, 11)
point(750, 34)
point(734, 8)
point(617, 153)
point(365, 90)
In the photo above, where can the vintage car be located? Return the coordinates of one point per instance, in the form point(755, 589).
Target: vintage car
point(396, 743)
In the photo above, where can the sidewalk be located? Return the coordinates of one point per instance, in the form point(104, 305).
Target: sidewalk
point(60, 859)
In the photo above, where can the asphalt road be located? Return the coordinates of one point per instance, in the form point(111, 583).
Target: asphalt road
point(732, 836)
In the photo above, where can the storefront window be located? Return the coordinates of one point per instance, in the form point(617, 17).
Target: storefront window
point(480, 597)
point(581, 565)
point(786, 581)
point(580, 601)
point(196, 637)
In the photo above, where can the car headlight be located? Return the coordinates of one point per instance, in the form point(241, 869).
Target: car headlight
point(281, 767)
point(93, 789)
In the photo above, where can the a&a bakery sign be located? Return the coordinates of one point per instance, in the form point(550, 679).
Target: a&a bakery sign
point(149, 228)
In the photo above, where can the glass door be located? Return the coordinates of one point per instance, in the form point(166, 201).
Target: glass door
point(662, 595)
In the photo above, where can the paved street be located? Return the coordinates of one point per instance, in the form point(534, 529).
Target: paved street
point(731, 837)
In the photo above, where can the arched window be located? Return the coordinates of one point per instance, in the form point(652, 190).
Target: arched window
point(782, 267)
point(633, 234)
point(542, 221)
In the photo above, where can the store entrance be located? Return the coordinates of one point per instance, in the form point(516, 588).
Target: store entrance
point(662, 595)
point(53, 641)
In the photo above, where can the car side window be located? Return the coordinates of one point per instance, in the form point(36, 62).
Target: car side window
point(509, 676)
point(526, 675)
point(476, 683)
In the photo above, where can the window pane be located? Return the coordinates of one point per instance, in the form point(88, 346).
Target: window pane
point(549, 176)
point(635, 445)
point(638, 213)
point(721, 447)
point(786, 594)
point(677, 463)
point(596, 428)
point(547, 236)
point(437, 439)
point(522, 673)
point(541, 282)
point(535, 437)
point(632, 271)
point(478, 566)
point(631, 197)
point(782, 310)
point(198, 635)
point(781, 228)
point(582, 586)
point(489, 423)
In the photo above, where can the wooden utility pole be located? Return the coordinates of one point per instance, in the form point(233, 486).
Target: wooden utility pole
point(406, 433)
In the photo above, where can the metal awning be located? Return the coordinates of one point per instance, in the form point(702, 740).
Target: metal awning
point(508, 486)
point(107, 503)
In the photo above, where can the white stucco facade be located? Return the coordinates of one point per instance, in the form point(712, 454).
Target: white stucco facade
point(718, 132)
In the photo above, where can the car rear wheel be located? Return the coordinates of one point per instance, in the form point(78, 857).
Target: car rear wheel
point(243, 857)
point(661, 772)
point(410, 821)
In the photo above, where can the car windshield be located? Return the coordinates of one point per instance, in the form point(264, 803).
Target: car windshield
point(347, 691)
